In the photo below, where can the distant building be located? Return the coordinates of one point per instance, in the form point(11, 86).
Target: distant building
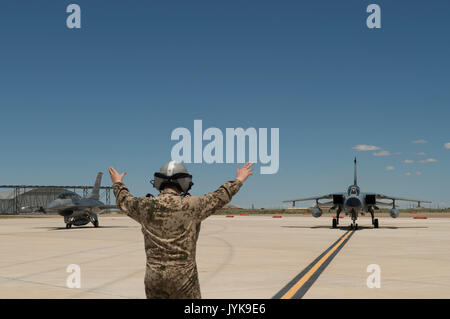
point(27, 200)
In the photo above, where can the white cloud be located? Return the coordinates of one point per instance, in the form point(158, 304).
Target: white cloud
point(447, 146)
point(408, 161)
point(390, 168)
point(363, 147)
point(419, 142)
point(421, 153)
point(382, 153)
point(428, 160)
point(408, 174)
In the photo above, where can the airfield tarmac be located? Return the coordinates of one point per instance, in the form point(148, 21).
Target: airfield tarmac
point(240, 257)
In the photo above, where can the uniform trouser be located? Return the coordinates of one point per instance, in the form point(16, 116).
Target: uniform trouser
point(172, 281)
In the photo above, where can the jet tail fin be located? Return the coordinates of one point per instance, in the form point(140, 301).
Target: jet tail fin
point(355, 181)
point(96, 190)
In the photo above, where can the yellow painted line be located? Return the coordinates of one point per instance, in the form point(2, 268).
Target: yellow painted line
point(291, 292)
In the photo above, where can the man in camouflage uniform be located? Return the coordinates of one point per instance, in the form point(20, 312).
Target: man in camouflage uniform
point(171, 225)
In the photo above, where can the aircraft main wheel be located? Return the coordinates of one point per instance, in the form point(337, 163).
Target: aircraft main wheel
point(68, 226)
point(96, 223)
point(375, 223)
point(334, 223)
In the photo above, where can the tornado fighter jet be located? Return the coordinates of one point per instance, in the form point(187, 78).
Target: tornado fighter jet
point(76, 210)
point(354, 202)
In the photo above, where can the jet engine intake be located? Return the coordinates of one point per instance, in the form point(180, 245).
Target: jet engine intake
point(338, 200)
point(66, 212)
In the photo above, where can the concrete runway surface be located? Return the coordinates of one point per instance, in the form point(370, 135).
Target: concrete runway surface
point(240, 257)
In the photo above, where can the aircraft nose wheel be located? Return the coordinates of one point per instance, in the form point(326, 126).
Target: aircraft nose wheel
point(375, 223)
point(95, 223)
point(68, 226)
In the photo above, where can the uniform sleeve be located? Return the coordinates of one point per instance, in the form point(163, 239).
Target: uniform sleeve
point(134, 207)
point(204, 206)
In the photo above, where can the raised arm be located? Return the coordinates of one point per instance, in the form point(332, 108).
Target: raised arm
point(132, 206)
point(206, 205)
point(126, 202)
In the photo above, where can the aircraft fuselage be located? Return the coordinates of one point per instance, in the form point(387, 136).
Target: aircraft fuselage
point(354, 202)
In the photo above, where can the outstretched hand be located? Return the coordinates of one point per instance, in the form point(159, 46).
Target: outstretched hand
point(115, 176)
point(244, 172)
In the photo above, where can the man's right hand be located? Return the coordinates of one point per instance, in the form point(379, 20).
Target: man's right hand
point(244, 172)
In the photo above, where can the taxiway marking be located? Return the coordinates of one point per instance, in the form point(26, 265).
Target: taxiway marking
point(297, 288)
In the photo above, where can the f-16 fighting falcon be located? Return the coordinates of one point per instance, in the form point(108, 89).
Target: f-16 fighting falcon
point(354, 202)
point(76, 210)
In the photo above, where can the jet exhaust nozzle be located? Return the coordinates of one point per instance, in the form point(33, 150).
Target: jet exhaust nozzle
point(316, 212)
point(394, 212)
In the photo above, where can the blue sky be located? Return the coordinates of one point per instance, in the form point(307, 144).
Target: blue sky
point(76, 101)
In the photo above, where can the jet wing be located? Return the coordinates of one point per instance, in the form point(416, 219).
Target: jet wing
point(328, 196)
point(381, 196)
point(107, 206)
point(384, 204)
point(83, 207)
point(76, 207)
point(32, 209)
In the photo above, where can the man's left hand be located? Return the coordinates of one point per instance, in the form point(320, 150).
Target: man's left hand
point(115, 176)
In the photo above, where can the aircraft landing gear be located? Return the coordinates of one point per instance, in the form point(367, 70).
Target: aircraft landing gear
point(354, 225)
point(374, 220)
point(375, 223)
point(336, 220)
point(68, 220)
point(94, 219)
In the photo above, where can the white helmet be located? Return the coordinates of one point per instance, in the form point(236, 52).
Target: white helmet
point(174, 174)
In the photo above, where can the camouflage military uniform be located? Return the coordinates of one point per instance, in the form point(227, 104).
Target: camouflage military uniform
point(171, 225)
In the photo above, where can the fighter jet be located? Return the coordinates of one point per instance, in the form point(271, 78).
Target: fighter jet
point(353, 202)
point(76, 210)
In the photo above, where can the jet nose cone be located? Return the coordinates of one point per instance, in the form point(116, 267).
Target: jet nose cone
point(52, 205)
point(353, 202)
point(55, 204)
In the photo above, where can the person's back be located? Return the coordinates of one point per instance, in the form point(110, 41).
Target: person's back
point(171, 231)
point(171, 225)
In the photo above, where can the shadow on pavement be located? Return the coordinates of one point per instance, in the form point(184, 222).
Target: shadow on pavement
point(347, 227)
point(83, 227)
